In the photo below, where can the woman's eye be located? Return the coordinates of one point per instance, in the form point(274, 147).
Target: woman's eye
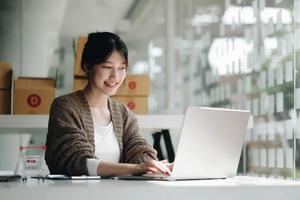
point(107, 67)
point(121, 68)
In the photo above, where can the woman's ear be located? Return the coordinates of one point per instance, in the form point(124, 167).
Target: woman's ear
point(85, 68)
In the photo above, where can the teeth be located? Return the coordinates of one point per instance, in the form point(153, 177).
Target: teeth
point(111, 84)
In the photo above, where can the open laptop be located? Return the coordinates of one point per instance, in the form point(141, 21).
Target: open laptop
point(209, 146)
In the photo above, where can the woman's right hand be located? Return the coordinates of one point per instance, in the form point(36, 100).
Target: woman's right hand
point(156, 167)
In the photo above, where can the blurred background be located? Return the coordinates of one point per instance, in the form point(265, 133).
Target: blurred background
point(240, 54)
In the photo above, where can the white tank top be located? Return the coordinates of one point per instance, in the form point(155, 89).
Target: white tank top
point(106, 147)
point(106, 143)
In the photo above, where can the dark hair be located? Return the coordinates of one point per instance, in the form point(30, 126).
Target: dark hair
point(100, 46)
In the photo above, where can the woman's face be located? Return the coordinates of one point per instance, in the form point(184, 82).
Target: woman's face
point(108, 76)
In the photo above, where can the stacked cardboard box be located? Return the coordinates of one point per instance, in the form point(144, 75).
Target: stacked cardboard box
point(79, 80)
point(5, 87)
point(33, 95)
point(79, 83)
point(133, 92)
point(78, 72)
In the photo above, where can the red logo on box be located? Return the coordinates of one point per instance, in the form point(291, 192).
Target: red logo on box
point(34, 100)
point(131, 105)
point(132, 84)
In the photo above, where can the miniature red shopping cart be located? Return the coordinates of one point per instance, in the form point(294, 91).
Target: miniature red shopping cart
point(32, 160)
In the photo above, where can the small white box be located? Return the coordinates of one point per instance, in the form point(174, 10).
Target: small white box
point(280, 158)
point(271, 80)
point(271, 131)
point(279, 75)
point(280, 128)
point(255, 107)
point(262, 80)
point(289, 72)
point(289, 129)
point(248, 84)
point(263, 157)
point(297, 93)
point(271, 104)
point(255, 157)
point(289, 158)
point(279, 102)
point(271, 157)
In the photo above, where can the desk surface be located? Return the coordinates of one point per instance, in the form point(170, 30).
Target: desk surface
point(246, 188)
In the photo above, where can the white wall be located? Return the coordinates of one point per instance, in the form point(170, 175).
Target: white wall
point(10, 34)
point(32, 35)
point(41, 22)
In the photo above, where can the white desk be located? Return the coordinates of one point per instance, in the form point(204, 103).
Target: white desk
point(245, 188)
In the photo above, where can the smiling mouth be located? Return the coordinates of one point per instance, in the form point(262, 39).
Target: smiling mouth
point(111, 84)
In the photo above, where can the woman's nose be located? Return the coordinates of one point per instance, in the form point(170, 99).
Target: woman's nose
point(113, 73)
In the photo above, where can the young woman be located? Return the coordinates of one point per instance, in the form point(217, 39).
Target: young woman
point(90, 134)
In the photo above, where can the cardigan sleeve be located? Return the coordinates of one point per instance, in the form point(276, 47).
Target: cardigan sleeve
point(136, 149)
point(67, 144)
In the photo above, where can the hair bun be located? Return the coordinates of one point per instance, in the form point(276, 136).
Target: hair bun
point(103, 36)
point(93, 36)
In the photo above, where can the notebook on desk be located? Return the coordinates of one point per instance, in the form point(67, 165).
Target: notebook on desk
point(65, 177)
point(209, 147)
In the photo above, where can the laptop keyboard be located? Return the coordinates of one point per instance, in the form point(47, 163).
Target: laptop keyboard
point(158, 175)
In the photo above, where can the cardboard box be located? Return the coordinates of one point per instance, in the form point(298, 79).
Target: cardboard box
point(5, 102)
point(135, 85)
point(5, 75)
point(78, 72)
point(139, 105)
point(33, 95)
point(79, 83)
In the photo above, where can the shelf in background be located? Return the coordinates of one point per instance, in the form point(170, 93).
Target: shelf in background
point(39, 123)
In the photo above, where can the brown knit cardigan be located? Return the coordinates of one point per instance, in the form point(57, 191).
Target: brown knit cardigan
point(70, 138)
